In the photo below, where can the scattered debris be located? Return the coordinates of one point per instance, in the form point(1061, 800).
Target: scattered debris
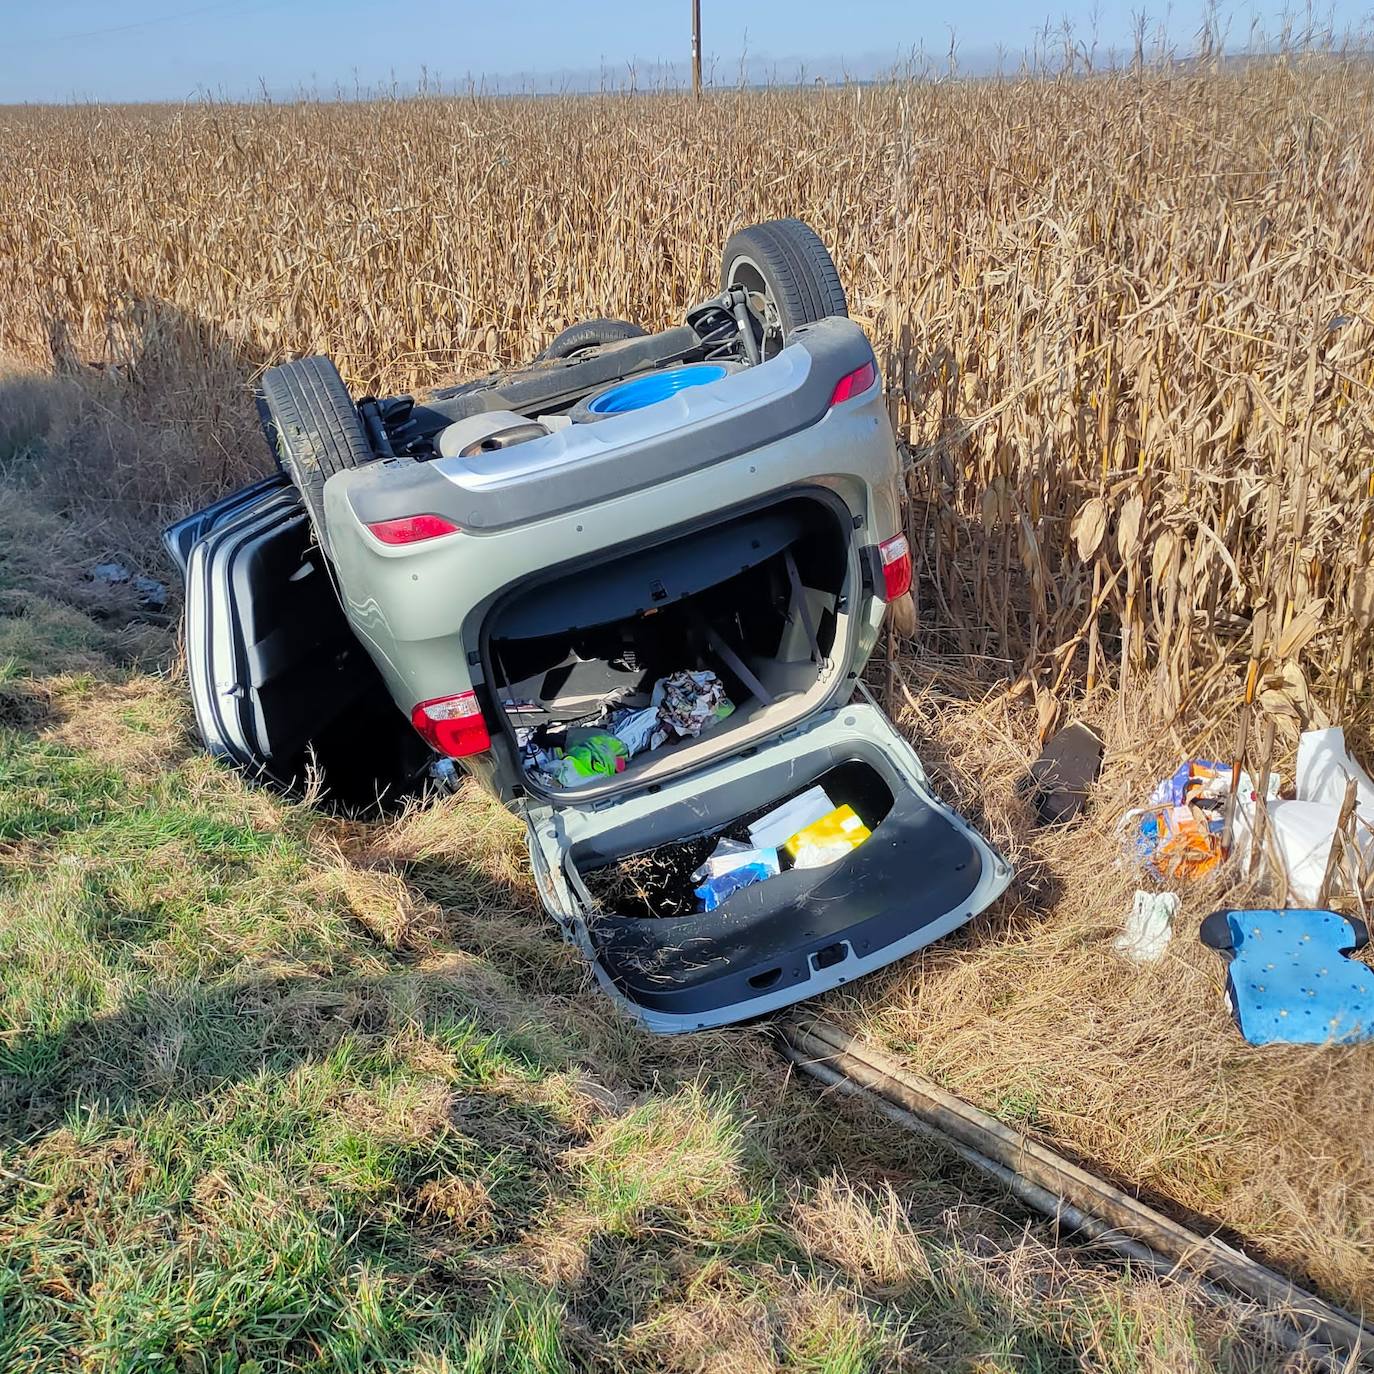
point(1149, 924)
point(687, 703)
point(806, 831)
point(1306, 840)
point(1289, 978)
point(1180, 831)
point(151, 593)
point(758, 865)
point(443, 773)
point(681, 706)
point(1063, 776)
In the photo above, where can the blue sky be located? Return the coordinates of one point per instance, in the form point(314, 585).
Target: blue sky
point(179, 49)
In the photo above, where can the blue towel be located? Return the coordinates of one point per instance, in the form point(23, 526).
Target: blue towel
point(1288, 976)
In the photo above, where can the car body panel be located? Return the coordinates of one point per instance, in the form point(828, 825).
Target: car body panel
point(421, 607)
point(271, 625)
point(869, 909)
point(278, 682)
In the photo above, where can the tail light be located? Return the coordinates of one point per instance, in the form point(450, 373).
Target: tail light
point(412, 529)
point(855, 383)
point(453, 725)
point(895, 556)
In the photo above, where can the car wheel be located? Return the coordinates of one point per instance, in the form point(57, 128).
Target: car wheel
point(313, 428)
point(577, 338)
point(789, 275)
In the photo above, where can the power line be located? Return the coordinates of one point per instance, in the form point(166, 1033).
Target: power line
point(148, 23)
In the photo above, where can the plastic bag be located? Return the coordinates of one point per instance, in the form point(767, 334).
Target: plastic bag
point(731, 854)
point(716, 890)
point(779, 825)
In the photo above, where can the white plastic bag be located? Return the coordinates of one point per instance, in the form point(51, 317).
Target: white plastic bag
point(1300, 832)
point(1324, 765)
point(779, 825)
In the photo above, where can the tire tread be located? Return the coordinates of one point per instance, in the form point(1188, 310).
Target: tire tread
point(316, 427)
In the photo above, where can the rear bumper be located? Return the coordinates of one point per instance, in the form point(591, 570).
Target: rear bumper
point(584, 464)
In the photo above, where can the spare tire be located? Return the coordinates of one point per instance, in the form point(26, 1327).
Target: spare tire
point(576, 338)
point(790, 277)
point(314, 429)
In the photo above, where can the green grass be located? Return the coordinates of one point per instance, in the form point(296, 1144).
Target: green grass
point(284, 1092)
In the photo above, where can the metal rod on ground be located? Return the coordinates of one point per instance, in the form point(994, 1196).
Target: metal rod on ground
point(1064, 1215)
point(1206, 1257)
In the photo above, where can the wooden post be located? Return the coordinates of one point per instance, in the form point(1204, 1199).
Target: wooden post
point(696, 48)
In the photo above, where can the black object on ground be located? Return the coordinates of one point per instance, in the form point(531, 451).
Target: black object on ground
point(1064, 774)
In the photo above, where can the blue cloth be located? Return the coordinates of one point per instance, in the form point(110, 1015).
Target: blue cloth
point(716, 890)
point(1289, 979)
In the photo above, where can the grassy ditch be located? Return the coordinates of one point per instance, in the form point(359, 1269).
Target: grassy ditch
point(285, 1091)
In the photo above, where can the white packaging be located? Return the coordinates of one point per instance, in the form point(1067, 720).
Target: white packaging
point(1299, 836)
point(779, 825)
point(1148, 926)
point(820, 855)
point(1324, 765)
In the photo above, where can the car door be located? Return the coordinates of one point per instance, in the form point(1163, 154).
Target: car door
point(279, 684)
point(922, 873)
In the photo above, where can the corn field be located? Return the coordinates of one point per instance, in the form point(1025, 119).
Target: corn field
point(1126, 321)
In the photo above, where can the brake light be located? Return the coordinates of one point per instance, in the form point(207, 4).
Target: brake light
point(895, 555)
point(453, 725)
point(412, 529)
point(855, 383)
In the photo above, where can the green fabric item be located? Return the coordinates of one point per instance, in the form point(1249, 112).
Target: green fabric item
point(595, 757)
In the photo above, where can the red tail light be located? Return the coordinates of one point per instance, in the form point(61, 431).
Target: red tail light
point(453, 725)
point(411, 529)
point(895, 554)
point(855, 383)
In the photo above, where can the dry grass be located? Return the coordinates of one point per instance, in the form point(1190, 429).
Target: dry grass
point(1126, 322)
point(285, 1090)
point(1127, 330)
point(1032, 1014)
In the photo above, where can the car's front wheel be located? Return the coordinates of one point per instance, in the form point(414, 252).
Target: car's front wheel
point(314, 429)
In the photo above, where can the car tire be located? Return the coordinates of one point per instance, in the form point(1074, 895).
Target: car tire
point(577, 338)
point(313, 428)
point(788, 272)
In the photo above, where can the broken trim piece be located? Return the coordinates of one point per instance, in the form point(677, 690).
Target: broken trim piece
point(1070, 1195)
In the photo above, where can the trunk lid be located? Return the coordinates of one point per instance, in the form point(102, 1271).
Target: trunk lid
point(923, 872)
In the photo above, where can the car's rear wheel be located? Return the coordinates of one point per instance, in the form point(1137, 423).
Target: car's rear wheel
point(577, 338)
point(790, 277)
point(314, 429)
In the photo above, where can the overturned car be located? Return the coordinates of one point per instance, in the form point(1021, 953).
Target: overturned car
point(631, 587)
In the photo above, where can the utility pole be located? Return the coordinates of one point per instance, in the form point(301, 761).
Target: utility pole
point(696, 48)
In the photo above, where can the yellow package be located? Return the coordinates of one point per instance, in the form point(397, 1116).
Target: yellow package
point(832, 836)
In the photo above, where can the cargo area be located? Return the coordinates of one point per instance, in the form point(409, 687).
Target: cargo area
point(675, 650)
point(661, 882)
point(911, 872)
